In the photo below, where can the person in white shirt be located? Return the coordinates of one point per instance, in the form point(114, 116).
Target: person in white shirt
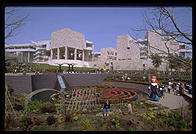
point(130, 111)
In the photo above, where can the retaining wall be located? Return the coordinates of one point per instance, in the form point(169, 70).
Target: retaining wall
point(21, 84)
point(26, 84)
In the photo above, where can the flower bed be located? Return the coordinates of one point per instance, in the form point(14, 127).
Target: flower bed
point(116, 94)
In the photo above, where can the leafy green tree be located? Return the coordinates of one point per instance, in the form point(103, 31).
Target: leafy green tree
point(156, 60)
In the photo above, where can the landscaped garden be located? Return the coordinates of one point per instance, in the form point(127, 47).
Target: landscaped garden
point(81, 109)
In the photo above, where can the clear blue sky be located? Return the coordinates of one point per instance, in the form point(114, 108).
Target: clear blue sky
point(101, 25)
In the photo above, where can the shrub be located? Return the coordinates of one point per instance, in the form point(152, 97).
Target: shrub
point(68, 118)
point(34, 106)
point(48, 108)
point(51, 120)
point(27, 121)
point(131, 129)
point(18, 107)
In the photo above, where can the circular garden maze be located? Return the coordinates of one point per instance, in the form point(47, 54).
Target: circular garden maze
point(83, 98)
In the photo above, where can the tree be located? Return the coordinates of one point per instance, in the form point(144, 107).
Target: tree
point(156, 60)
point(177, 64)
point(12, 22)
point(163, 19)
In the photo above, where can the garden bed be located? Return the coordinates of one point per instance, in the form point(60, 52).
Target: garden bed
point(48, 116)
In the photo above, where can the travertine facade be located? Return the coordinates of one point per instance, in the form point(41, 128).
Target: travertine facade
point(106, 58)
point(67, 37)
point(69, 46)
point(134, 54)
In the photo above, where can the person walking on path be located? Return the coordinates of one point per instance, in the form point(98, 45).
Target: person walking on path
point(130, 111)
point(106, 108)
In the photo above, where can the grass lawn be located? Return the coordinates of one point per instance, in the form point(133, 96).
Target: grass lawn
point(42, 66)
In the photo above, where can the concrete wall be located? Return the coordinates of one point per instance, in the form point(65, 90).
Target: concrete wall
point(44, 81)
point(20, 84)
point(26, 84)
point(75, 80)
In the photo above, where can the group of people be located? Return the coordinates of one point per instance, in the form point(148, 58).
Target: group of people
point(179, 87)
point(176, 87)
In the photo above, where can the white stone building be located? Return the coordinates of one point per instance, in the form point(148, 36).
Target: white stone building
point(42, 51)
point(106, 58)
point(69, 46)
point(23, 52)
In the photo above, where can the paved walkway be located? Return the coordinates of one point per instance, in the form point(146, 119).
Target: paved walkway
point(172, 101)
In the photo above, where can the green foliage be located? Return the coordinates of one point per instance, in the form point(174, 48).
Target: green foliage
point(161, 121)
point(175, 114)
point(132, 121)
point(34, 107)
point(48, 108)
point(117, 121)
point(164, 113)
point(102, 122)
point(183, 123)
point(156, 60)
point(178, 62)
point(173, 122)
point(75, 118)
point(60, 119)
point(87, 125)
point(151, 115)
point(131, 129)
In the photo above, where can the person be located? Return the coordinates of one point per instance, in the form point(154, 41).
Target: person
point(190, 89)
point(169, 86)
point(24, 72)
point(177, 89)
point(174, 86)
point(130, 111)
point(161, 91)
point(106, 108)
point(181, 88)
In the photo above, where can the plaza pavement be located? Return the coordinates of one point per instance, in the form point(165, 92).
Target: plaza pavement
point(171, 101)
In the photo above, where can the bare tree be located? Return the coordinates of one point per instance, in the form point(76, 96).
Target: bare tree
point(12, 22)
point(163, 19)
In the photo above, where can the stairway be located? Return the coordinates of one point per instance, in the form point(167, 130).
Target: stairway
point(61, 83)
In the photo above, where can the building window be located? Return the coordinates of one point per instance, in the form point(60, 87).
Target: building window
point(182, 47)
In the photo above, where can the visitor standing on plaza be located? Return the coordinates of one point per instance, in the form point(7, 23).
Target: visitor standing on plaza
point(190, 89)
point(106, 108)
point(169, 86)
point(130, 111)
point(177, 89)
point(181, 88)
